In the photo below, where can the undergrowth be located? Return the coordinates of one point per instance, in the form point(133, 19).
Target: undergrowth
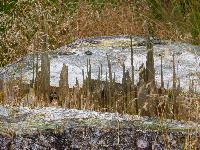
point(24, 22)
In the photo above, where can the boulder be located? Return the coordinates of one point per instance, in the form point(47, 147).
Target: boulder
point(58, 128)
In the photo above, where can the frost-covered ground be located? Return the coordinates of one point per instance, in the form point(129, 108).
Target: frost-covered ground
point(60, 129)
point(118, 49)
point(23, 120)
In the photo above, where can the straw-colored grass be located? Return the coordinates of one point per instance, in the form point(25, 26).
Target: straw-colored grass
point(23, 22)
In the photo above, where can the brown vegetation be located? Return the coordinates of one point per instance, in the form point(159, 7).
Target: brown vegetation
point(28, 21)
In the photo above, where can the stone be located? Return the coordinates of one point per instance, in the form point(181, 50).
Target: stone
point(88, 53)
point(58, 129)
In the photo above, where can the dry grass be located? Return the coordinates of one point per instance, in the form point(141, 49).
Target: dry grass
point(28, 21)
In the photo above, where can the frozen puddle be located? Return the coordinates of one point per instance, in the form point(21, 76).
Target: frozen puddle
point(117, 48)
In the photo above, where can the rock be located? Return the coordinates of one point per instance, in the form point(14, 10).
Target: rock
point(58, 129)
point(88, 53)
